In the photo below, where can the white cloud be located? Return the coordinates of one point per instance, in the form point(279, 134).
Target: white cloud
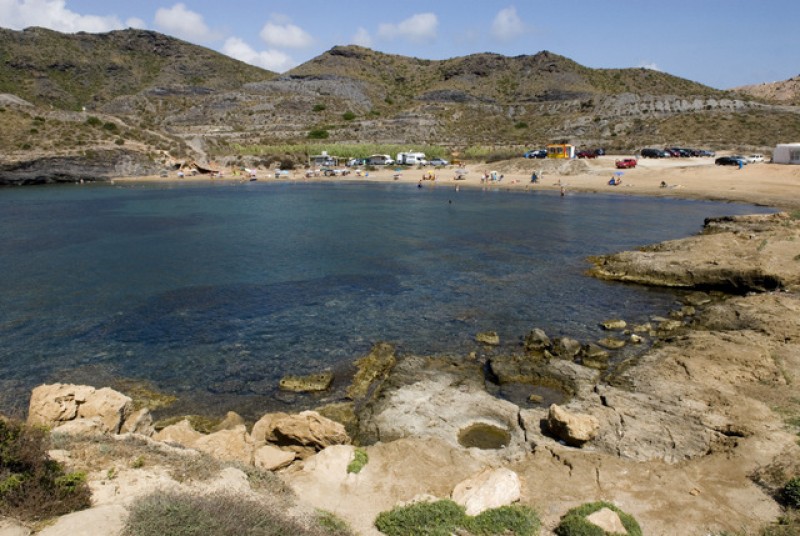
point(53, 14)
point(272, 59)
point(279, 32)
point(135, 22)
point(648, 65)
point(507, 25)
point(419, 28)
point(184, 23)
point(362, 38)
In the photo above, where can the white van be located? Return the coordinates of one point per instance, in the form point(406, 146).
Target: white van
point(412, 159)
point(380, 160)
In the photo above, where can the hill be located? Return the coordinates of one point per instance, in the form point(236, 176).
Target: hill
point(70, 71)
point(783, 92)
point(166, 95)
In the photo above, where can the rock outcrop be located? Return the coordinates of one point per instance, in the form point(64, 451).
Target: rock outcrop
point(57, 404)
point(491, 488)
point(574, 429)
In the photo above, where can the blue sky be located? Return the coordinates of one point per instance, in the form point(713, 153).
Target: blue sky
point(721, 43)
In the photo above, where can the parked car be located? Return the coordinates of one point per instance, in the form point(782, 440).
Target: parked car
point(703, 152)
point(536, 153)
point(730, 161)
point(439, 162)
point(586, 154)
point(755, 158)
point(653, 153)
point(625, 163)
point(600, 151)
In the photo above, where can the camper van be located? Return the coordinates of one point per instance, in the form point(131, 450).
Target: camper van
point(380, 160)
point(411, 159)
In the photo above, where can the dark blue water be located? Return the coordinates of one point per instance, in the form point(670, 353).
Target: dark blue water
point(213, 292)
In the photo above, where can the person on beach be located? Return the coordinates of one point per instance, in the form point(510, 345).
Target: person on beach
point(534, 178)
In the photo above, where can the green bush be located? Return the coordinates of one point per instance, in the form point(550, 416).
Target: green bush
point(188, 514)
point(32, 486)
point(360, 459)
point(111, 127)
point(318, 134)
point(445, 517)
point(440, 518)
point(93, 121)
point(790, 494)
point(518, 520)
point(319, 107)
point(574, 522)
point(348, 116)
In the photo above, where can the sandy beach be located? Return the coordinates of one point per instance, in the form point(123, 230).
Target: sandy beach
point(688, 178)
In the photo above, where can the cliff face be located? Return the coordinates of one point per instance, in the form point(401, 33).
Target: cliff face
point(95, 166)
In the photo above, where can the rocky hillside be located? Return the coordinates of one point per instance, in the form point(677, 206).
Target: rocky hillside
point(166, 96)
point(784, 92)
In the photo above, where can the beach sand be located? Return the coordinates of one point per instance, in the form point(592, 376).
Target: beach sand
point(689, 178)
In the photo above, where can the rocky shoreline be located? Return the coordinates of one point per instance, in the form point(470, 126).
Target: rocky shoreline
point(694, 437)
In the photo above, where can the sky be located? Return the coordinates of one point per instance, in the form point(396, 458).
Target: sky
point(720, 43)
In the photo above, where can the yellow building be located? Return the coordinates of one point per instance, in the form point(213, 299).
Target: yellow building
point(560, 150)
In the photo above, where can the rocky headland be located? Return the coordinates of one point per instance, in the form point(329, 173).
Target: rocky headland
point(692, 436)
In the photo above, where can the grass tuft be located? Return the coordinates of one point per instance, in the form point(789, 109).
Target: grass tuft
point(445, 517)
point(360, 459)
point(574, 522)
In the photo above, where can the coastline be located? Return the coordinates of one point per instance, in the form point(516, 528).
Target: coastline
point(696, 178)
point(695, 430)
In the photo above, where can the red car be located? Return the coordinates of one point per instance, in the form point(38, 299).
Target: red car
point(626, 163)
point(586, 154)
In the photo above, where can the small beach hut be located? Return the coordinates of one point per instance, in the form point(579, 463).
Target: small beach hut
point(786, 153)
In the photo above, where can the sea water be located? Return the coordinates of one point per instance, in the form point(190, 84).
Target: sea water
point(213, 292)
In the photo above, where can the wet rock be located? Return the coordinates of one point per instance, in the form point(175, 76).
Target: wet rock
point(372, 370)
point(643, 328)
point(320, 381)
point(611, 343)
point(669, 325)
point(566, 348)
point(614, 325)
point(635, 339)
point(492, 488)
point(537, 341)
point(139, 422)
point(697, 299)
point(489, 338)
point(573, 429)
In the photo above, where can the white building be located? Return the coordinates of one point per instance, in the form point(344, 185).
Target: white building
point(786, 153)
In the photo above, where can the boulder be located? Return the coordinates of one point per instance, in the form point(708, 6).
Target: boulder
point(537, 341)
point(55, 404)
point(271, 458)
point(321, 381)
point(230, 422)
point(491, 488)
point(262, 432)
point(104, 519)
point(181, 433)
point(307, 429)
point(232, 445)
point(139, 422)
point(489, 338)
point(573, 429)
point(607, 520)
point(566, 348)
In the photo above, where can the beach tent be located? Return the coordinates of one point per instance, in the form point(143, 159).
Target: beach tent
point(786, 153)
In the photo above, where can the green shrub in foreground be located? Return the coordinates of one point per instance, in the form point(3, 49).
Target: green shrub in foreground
point(360, 459)
point(186, 514)
point(32, 486)
point(574, 522)
point(790, 494)
point(445, 517)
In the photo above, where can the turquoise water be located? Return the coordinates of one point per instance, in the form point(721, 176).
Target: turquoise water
point(214, 291)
